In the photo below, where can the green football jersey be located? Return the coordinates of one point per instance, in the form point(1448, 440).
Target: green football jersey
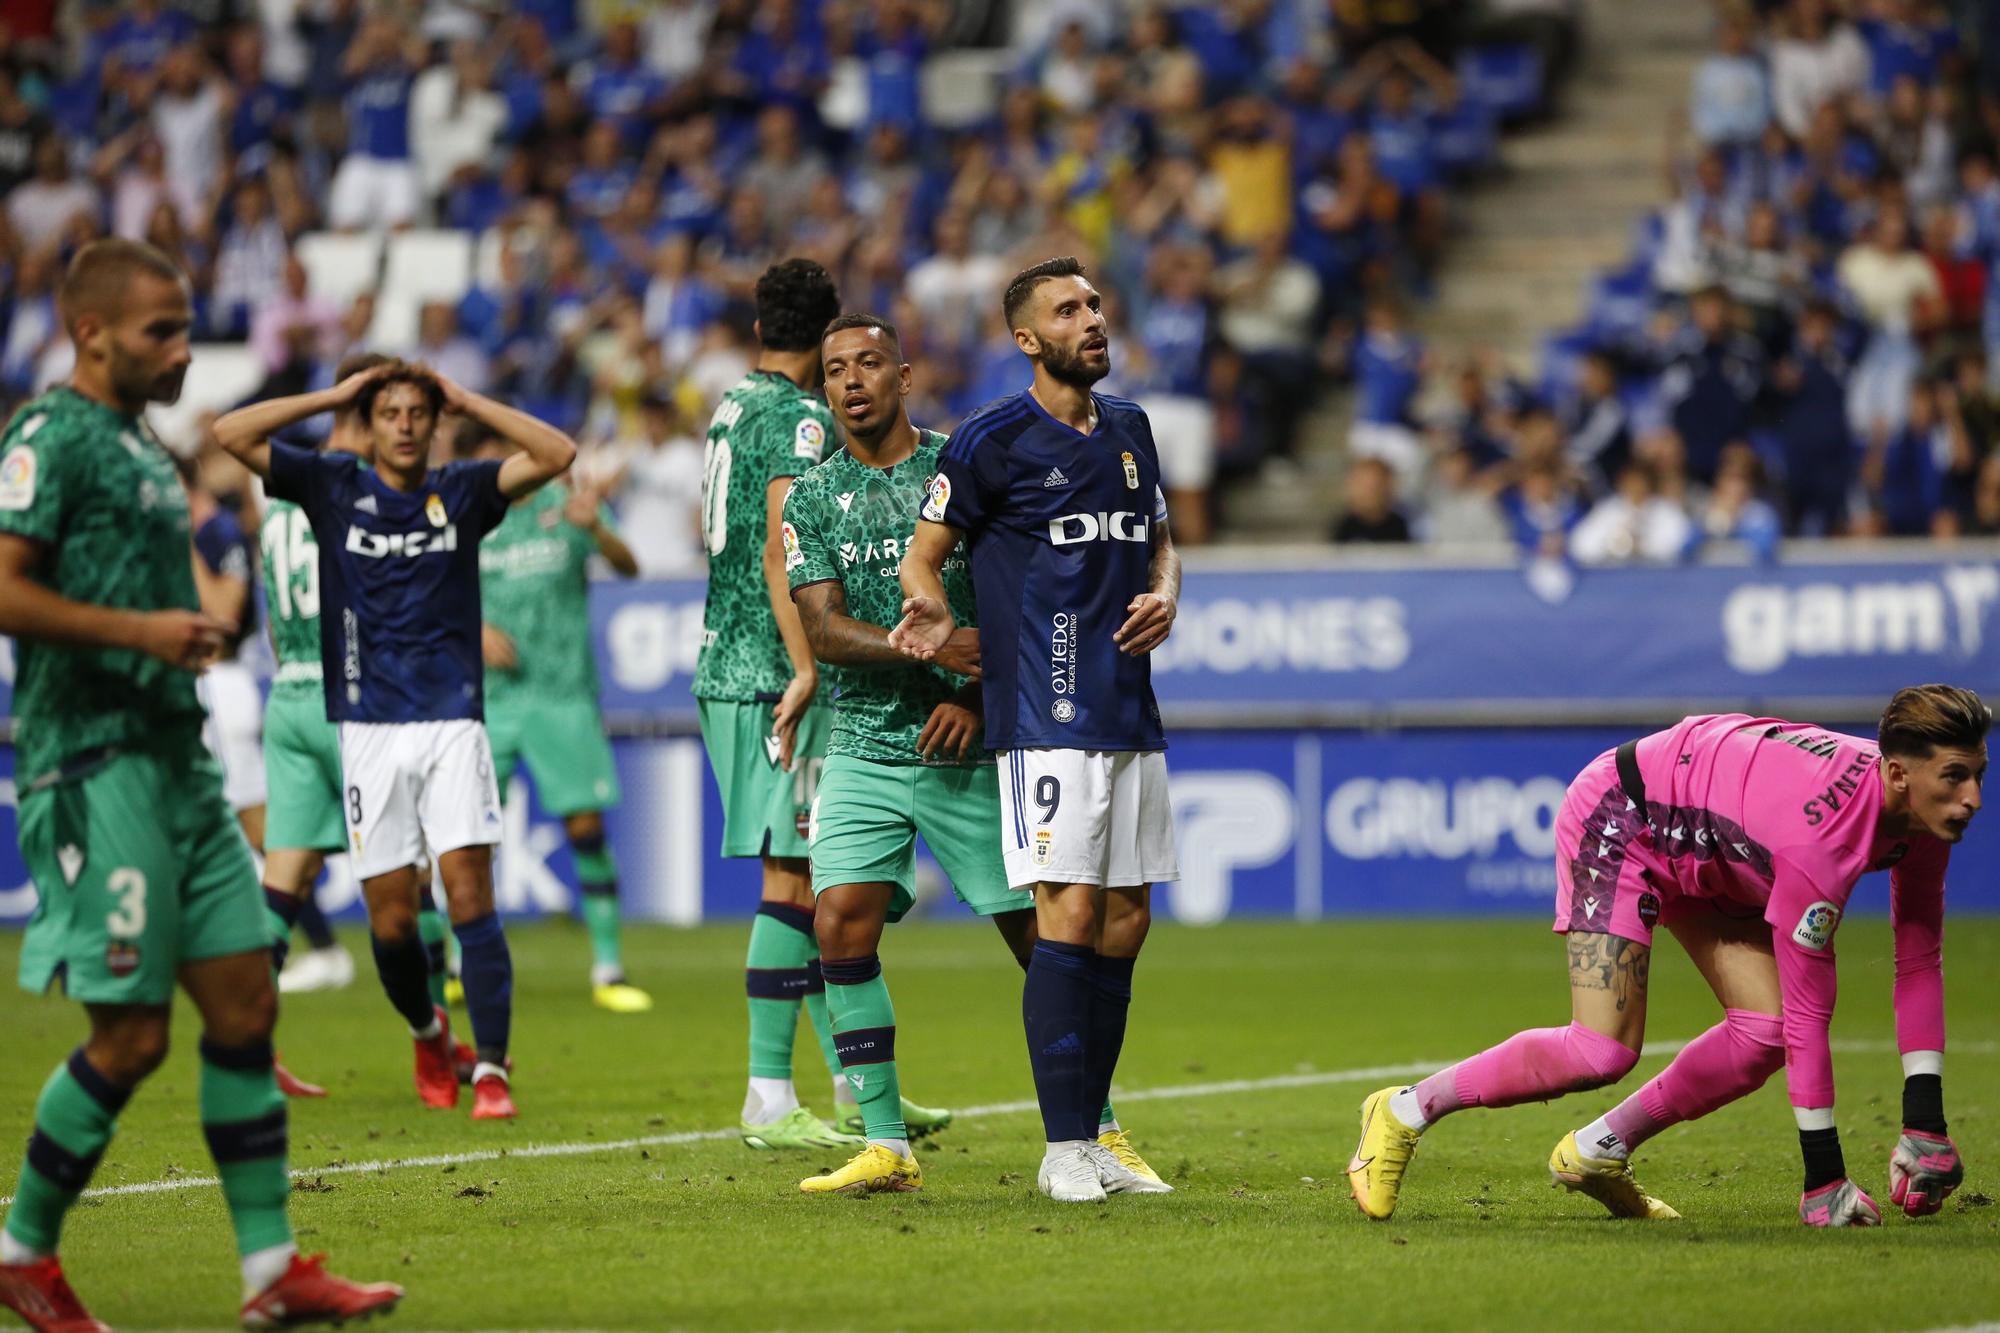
point(291, 598)
point(849, 523)
point(765, 428)
point(534, 583)
point(99, 493)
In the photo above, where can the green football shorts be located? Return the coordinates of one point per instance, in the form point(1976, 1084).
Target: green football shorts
point(868, 815)
point(139, 867)
point(302, 770)
point(765, 809)
point(563, 743)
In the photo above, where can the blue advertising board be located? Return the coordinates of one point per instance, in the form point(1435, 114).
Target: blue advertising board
point(1307, 824)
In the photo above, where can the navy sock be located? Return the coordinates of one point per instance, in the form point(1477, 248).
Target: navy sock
point(1110, 1002)
point(286, 908)
point(487, 969)
point(1056, 1014)
point(400, 963)
point(313, 922)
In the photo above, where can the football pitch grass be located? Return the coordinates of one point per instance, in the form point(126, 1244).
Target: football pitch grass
point(1258, 1042)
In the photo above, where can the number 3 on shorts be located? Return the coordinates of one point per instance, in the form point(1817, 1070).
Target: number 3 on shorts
point(128, 918)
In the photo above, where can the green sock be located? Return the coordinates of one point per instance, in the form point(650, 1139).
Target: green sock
point(864, 1024)
point(431, 930)
point(600, 917)
point(243, 1118)
point(775, 978)
point(74, 1119)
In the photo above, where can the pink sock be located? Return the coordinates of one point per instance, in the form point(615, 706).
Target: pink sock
point(1730, 1060)
point(1531, 1066)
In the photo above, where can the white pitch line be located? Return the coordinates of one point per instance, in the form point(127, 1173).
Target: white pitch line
point(1222, 1088)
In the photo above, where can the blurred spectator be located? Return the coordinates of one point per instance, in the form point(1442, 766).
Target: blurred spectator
point(134, 168)
point(377, 183)
point(1388, 371)
point(1764, 275)
point(1983, 520)
point(1065, 77)
point(276, 321)
point(1916, 141)
point(22, 126)
point(1460, 509)
point(675, 34)
point(1961, 275)
point(455, 117)
point(1173, 340)
point(1736, 510)
point(1904, 473)
point(1541, 509)
point(1896, 291)
point(1596, 423)
point(259, 106)
point(32, 327)
point(249, 261)
point(1252, 166)
point(956, 289)
point(1634, 522)
point(1268, 300)
point(658, 489)
point(44, 207)
point(1370, 516)
point(444, 348)
point(1713, 374)
point(1813, 433)
point(1816, 58)
point(679, 301)
point(1730, 101)
point(618, 86)
point(187, 116)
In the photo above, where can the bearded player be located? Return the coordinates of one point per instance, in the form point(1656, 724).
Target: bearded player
point(1055, 491)
point(1744, 836)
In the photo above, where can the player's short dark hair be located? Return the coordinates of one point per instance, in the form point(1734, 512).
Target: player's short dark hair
point(99, 277)
point(1022, 288)
point(355, 362)
point(404, 373)
point(796, 299)
point(1922, 719)
point(861, 319)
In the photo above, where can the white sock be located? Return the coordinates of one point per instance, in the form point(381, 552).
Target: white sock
point(601, 975)
point(1599, 1140)
point(843, 1092)
point(429, 1031)
point(768, 1099)
point(900, 1147)
point(263, 1267)
point(1107, 1127)
point(1065, 1146)
point(1405, 1107)
point(485, 1069)
point(14, 1252)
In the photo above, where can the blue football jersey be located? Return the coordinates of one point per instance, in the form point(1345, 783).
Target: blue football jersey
point(227, 551)
point(399, 583)
point(1060, 528)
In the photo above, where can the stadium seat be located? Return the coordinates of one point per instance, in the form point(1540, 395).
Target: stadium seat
point(420, 266)
point(220, 376)
point(340, 267)
point(1506, 79)
point(1620, 303)
point(961, 88)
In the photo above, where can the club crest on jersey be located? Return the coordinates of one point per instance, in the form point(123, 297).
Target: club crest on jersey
point(1131, 470)
point(1815, 928)
point(1044, 848)
point(940, 496)
point(1062, 710)
point(434, 511)
point(121, 958)
point(17, 478)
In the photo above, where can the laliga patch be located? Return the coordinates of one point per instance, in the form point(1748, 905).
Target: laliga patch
point(17, 478)
point(1649, 910)
point(939, 497)
point(1815, 928)
point(434, 511)
point(1044, 848)
point(794, 557)
point(809, 440)
point(1131, 471)
point(121, 959)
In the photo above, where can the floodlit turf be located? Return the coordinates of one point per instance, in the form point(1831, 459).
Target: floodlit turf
point(1261, 1232)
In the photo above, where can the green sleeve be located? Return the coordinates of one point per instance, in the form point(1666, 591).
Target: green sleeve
point(807, 559)
point(31, 483)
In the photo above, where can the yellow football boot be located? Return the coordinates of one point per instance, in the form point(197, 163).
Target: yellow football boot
point(1605, 1179)
point(873, 1170)
point(1375, 1173)
point(621, 998)
point(1143, 1179)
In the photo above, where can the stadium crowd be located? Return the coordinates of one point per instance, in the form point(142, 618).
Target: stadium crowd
point(1803, 343)
point(1238, 173)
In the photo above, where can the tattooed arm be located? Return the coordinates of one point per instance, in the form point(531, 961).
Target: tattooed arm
point(837, 638)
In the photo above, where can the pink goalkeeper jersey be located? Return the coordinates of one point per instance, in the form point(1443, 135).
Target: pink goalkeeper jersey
point(1782, 817)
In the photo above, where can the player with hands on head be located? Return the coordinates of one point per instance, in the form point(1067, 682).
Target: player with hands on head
point(1055, 493)
point(1745, 837)
point(400, 649)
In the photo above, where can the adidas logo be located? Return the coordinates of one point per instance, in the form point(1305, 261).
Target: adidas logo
point(366, 505)
point(1054, 479)
point(1070, 1044)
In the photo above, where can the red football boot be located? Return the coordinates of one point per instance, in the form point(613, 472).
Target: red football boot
point(437, 1079)
point(308, 1294)
point(292, 1085)
point(492, 1099)
point(40, 1294)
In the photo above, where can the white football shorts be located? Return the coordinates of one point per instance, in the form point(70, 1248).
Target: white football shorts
point(234, 731)
point(1086, 817)
point(409, 785)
